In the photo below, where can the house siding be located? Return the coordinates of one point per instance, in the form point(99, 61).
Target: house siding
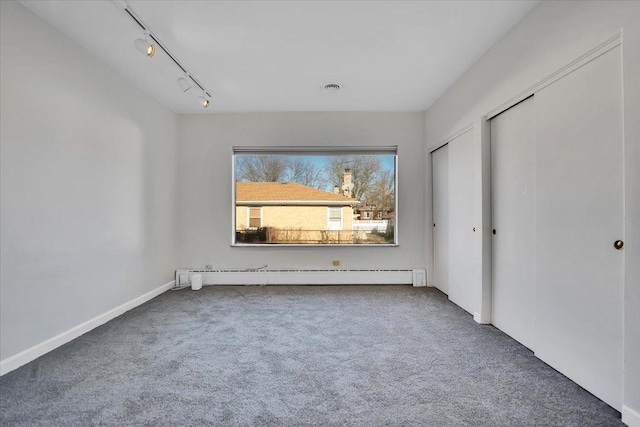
point(300, 223)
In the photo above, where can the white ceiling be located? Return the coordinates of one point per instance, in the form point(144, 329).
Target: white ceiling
point(277, 55)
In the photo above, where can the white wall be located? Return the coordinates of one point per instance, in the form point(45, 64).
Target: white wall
point(205, 185)
point(548, 38)
point(88, 185)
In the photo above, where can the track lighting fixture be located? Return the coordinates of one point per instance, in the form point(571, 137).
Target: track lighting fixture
point(144, 46)
point(148, 47)
point(204, 100)
point(183, 82)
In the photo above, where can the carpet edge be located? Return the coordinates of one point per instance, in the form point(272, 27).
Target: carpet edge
point(17, 360)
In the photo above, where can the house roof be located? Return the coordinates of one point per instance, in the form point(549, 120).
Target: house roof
point(289, 193)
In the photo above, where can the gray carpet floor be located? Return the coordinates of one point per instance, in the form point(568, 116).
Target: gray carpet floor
point(296, 356)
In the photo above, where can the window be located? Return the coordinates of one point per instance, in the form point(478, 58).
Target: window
point(255, 217)
point(314, 195)
point(335, 218)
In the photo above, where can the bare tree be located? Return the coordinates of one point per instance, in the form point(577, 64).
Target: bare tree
point(255, 168)
point(372, 184)
point(382, 194)
point(303, 172)
point(365, 171)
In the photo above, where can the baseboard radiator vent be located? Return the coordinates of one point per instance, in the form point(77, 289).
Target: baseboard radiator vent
point(415, 277)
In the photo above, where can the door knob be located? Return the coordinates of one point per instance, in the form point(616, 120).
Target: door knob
point(618, 244)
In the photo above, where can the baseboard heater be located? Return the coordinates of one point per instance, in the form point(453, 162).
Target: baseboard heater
point(415, 277)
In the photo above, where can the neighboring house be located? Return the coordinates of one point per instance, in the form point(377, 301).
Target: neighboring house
point(372, 219)
point(288, 212)
point(372, 212)
point(389, 215)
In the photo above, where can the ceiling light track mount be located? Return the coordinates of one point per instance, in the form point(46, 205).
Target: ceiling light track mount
point(144, 46)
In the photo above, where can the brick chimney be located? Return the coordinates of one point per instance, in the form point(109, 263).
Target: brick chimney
point(346, 189)
point(347, 176)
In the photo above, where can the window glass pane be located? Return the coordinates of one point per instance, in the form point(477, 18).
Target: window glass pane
point(254, 217)
point(315, 198)
point(335, 214)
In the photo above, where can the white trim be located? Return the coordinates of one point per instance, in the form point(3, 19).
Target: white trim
point(32, 353)
point(630, 417)
point(567, 69)
point(452, 136)
point(307, 150)
point(310, 150)
point(233, 205)
point(478, 318)
point(396, 226)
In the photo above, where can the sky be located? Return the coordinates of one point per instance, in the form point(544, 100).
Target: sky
point(320, 161)
point(388, 161)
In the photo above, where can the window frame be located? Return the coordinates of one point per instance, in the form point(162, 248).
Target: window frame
point(249, 208)
point(329, 218)
point(391, 150)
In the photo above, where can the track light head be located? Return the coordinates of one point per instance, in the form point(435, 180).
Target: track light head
point(183, 83)
point(147, 45)
point(204, 100)
point(144, 46)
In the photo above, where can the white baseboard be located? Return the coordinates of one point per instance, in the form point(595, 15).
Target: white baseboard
point(26, 356)
point(630, 417)
point(479, 318)
point(419, 277)
point(300, 277)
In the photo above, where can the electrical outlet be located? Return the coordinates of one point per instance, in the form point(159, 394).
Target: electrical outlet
point(336, 262)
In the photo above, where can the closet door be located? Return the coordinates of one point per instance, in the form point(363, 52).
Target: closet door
point(465, 287)
point(440, 180)
point(513, 210)
point(579, 189)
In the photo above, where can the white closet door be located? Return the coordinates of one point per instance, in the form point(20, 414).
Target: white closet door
point(464, 279)
point(513, 210)
point(579, 158)
point(440, 180)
